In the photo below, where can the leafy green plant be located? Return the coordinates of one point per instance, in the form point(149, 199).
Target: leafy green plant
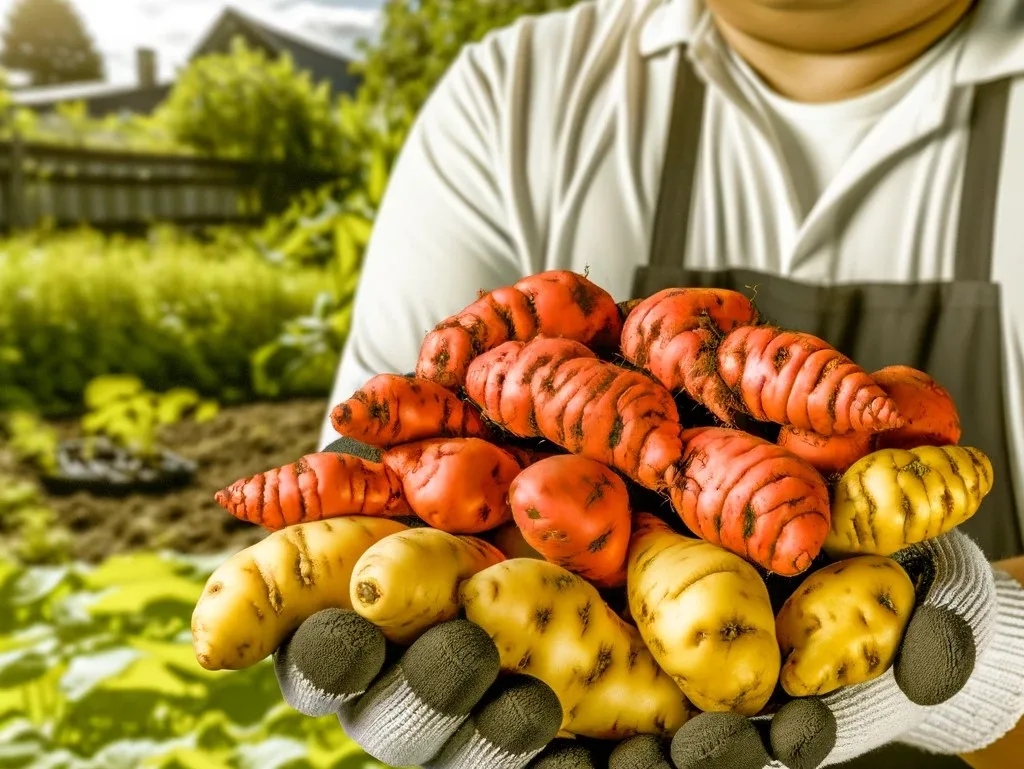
point(5, 97)
point(69, 125)
point(170, 309)
point(97, 672)
point(31, 440)
point(30, 529)
point(122, 409)
point(304, 358)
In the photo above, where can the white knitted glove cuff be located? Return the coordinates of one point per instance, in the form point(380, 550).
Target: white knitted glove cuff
point(992, 702)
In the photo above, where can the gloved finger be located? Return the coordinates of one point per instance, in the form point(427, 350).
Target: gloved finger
point(515, 720)
point(937, 656)
point(413, 708)
point(803, 733)
point(346, 445)
point(719, 741)
point(955, 605)
point(564, 753)
point(330, 659)
point(645, 751)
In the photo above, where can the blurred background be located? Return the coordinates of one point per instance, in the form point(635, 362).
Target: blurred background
point(186, 191)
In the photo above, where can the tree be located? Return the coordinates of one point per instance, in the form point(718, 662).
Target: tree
point(47, 40)
point(246, 106)
point(418, 42)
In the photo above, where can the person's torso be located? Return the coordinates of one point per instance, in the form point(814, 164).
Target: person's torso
point(589, 95)
point(585, 176)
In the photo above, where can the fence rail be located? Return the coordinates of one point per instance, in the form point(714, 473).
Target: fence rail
point(125, 190)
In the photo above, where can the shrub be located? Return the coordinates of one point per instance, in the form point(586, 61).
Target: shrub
point(172, 310)
point(248, 106)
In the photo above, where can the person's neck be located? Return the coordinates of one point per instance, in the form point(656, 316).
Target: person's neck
point(816, 77)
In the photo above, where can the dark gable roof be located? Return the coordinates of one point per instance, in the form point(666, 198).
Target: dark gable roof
point(101, 98)
point(323, 61)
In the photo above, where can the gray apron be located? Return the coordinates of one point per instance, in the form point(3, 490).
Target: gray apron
point(951, 330)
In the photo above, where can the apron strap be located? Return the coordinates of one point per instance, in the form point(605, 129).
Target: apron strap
point(672, 217)
point(981, 181)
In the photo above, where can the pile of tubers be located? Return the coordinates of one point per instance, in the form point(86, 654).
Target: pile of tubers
point(534, 476)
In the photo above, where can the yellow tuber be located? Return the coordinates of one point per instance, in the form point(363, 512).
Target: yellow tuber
point(258, 596)
point(553, 625)
point(894, 498)
point(408, 582)
point(843, 625)
point(706, 616)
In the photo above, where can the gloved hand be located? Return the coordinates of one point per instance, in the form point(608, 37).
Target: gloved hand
point(957, 684)
point(438, 703)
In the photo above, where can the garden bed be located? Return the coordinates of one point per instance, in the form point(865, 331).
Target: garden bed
point(237, 442)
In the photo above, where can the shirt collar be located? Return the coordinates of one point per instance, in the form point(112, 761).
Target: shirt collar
point(994, 47)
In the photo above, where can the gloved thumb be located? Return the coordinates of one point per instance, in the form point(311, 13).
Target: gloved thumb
point(955, 595)
point(331, 658)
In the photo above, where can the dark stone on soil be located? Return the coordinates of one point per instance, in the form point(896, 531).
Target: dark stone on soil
point(102, 468)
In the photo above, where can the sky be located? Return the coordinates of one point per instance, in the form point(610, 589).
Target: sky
point(173, 27)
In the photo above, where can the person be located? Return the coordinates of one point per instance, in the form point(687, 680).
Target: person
point(859, 164)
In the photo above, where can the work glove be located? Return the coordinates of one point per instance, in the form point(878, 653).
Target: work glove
point(957, 684)
point(440, 703)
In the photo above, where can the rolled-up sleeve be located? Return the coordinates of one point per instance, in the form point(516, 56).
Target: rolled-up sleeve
point(441, 234)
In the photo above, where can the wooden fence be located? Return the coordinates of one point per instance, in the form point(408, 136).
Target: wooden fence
point(126, 190)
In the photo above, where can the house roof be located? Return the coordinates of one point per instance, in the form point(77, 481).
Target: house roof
point(51, 94)
point(275, 36)
point(324, 59)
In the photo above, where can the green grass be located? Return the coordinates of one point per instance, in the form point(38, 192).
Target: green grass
point(170, 309)
point(97, 672)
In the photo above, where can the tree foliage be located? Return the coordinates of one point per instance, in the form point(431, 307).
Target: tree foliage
point(244, 104)
point(419, 41)
point(47, 40)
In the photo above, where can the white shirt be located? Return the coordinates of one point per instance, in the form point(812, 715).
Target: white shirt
point(542, 149)
point(815, 140)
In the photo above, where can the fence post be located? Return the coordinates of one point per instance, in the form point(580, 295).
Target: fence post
point(16, 184)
